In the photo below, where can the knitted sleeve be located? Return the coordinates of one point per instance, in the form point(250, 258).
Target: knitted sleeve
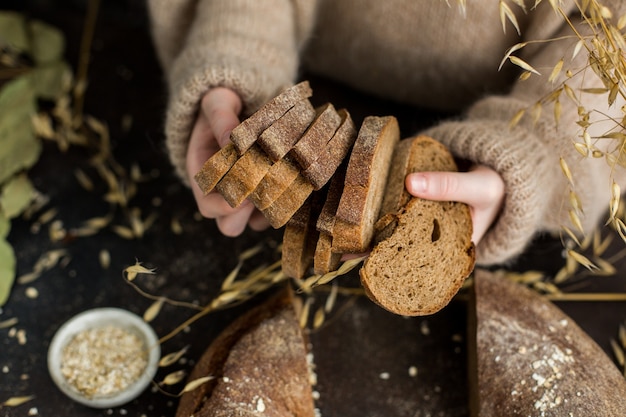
point(249, 46)
point(527, 156)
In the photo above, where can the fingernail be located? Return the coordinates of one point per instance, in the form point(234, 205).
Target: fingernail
point(418, 183)
point(225, 139)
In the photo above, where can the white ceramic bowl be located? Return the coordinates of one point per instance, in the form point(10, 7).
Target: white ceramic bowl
point(96, 318)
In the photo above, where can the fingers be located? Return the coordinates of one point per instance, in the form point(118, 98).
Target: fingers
point(221, 107)
point(234, 224)
point(481, 188)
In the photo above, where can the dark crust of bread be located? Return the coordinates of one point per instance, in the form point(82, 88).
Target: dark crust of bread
point(215, 168)
point(247, 132)
point(307, 150)
point(282, 135)
point(330, 157)
point(530, 358)
point(258, 361)
point(364, 186)
point(244, 176)
point(325, 260)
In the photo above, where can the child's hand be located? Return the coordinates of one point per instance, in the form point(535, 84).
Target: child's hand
point(217, 116)
point(482, 189)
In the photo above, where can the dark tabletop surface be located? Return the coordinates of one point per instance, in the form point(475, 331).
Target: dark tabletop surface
point(362, 353)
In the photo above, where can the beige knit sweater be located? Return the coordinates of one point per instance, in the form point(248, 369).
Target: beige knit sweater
point(424, 52)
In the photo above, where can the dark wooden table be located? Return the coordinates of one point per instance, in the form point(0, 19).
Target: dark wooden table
point(363, 354)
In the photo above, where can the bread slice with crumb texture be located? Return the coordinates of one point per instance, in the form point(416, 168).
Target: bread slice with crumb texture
point(277, 179)
point(364, 187)
point(280, 137)
point(248, 131)
point(427, 252)
point(216, 167)
point(244, 176)
point(287, 204)
point(307, 149)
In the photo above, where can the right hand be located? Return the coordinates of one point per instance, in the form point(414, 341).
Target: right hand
point(218, 115)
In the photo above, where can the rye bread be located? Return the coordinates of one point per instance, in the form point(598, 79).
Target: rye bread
point(414, 154)
point(331, 156)
point(528, 358)
point(216, 167)
point(364, 186)
point(282, 135)
point(248, 131)
point(325, 260)
point(259, 365)
point(277, 179)
point(244, 176)
point(300, 239)
point(288, 203)
point(318, 134)
point(424, 252)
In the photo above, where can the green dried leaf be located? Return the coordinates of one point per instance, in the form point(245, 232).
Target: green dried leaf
point(7, 270)
point(48, 42)
point(16, 196)
point(19, 150)
point(48, 81)
point(13, 30)
point(17, 96)
point(5, 226)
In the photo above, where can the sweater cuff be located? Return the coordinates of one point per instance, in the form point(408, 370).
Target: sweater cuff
point(519, 157)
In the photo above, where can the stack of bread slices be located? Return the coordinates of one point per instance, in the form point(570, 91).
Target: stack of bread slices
point(339, 189)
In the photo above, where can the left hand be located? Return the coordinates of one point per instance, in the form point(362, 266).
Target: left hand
point(481, 188)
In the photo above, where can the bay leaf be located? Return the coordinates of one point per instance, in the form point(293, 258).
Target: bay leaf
point(48, 80)
point(18, 150)
point(48, 42)
point(16, 196)
point(5, 226)
point(7, 270)
point(17, 95)
point(13, 30)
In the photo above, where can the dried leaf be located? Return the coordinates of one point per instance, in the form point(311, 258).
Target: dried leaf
point(566, 170)
point(556, 71)
point(509, 51)
point(620, 356)
point(173, 378)
point(153, 311)
point(133, 270)
point(523, 64)
point(8, 323)
point(192, 385)
point(318, 318)
point(7, 270)
point(173, 357)
point(48, 42)
point(13, 30)
point(332, 297)
point(105, 258)
point(516, 118)
point(507, 14)
point(15, 401)
point(123, 232)
point(16, 194)
point(581, 259)
point(83, 179)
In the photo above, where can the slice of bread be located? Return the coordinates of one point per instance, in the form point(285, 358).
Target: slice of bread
point(216, 167)
point(282, 135)
point(300, 239)
point(364, 187)
point(316, 137)
point(325, 260)
point(288, 203)
point(244, 176)
point(336, 150)
point(278, 178)
point(427, 252)
point(248, 131)
point(259, 364)
point(528, 358)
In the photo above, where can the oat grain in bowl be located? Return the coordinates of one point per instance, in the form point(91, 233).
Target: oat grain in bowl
point(103, 361)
